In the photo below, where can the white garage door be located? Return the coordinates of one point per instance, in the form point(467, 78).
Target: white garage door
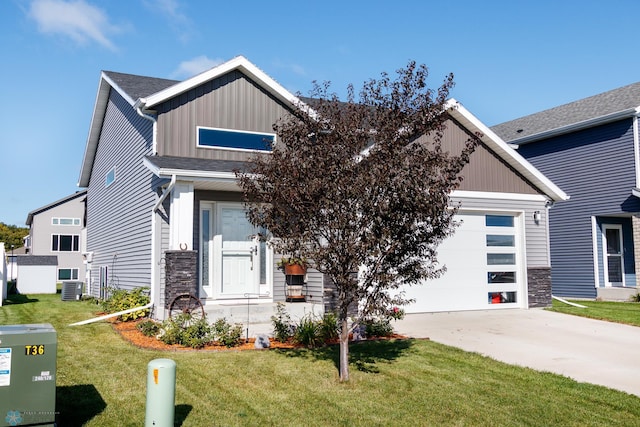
point(484, 261)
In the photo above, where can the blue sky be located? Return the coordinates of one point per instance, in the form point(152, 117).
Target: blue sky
point(509, 58)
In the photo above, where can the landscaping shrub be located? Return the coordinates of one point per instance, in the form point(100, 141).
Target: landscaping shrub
point(635, 297)
point(227, 334)
point(378, 328)
point(149, 328)
point(185, 330)
point(308, 332)
point(122, 299)
point(328, 329)
point(282, 326)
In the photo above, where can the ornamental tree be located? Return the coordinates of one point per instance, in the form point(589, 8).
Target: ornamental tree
point(360, 188)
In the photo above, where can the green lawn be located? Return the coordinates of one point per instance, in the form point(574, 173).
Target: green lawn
point(619, 312)
point(102, 379)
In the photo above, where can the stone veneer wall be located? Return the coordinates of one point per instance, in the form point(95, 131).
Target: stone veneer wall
point(539, 281)
point(181, 274)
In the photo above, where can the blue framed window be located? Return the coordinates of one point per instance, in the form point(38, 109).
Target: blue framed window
point(235, 139)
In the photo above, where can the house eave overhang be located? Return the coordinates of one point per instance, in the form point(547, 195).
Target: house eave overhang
point(502, 149)
point(70, 197)
point(226, 181)
point(99, 110)
point(596, 121)
point(239, 63)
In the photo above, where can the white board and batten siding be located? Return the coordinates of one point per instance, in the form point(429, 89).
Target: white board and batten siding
point(467, 283)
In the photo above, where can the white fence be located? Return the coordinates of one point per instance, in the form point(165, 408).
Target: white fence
point(3, 274)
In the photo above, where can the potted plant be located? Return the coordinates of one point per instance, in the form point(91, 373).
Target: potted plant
point(295, 266)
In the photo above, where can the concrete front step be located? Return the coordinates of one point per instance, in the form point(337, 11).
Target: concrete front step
point(257, 317)
point(616, 293)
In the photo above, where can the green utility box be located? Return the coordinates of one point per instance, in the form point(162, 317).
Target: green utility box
point(28, 375)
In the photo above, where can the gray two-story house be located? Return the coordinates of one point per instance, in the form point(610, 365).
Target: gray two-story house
point(58, 229)
point(164, 209)
point(590, 148)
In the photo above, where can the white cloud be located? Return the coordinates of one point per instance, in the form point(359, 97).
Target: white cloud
point(77, 19)
point(195, 66)
point(290, 66)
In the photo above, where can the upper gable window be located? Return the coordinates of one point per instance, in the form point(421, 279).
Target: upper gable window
point(230, 139)
point(110, 177)
point(65, 221)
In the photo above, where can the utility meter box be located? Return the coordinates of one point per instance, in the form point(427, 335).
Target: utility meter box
point(28, 375)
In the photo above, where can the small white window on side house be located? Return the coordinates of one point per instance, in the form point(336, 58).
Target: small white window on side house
point(110, 177)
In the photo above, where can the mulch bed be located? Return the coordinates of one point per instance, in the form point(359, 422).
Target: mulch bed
point(130, 332)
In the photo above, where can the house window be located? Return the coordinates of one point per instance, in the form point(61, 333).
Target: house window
point(234, 139)
point(110, 177)
point(65, 243)
point(67, 274)
point(65, 221)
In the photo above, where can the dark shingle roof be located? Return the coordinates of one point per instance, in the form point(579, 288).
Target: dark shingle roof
point(192, 164)
point(613, 101)
point(139, 86)
point(37, 260)
point(54, 204)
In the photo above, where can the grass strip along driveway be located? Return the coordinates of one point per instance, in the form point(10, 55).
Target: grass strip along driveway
point(101, 381)
point(619, 312)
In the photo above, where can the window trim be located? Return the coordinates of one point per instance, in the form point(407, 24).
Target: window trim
point(75, 242)
point(219, 147)
point(75, 222)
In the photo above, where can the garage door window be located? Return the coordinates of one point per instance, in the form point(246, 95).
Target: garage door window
point(501, 259)
point(501, 277)
point(501, 240)
point(498, 220)
point(502, 297)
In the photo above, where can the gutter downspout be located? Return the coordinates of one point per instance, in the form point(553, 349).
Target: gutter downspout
point(164, 195)
point(139, 106)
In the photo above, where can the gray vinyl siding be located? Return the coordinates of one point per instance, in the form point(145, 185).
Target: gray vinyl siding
point(537, 254)
point(596, 168)
point(119, 216)
point(232, 101)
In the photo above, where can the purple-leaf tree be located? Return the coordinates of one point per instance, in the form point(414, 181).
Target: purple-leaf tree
point(360, 188)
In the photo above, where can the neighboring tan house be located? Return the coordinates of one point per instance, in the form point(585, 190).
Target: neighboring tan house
point(591, 149)
point(58, 229)
point(164, 209)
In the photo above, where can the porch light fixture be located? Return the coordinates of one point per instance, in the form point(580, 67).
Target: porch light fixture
point(537, 217)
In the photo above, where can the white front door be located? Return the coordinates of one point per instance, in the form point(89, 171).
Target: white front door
point(233, 261)
point(613, 255)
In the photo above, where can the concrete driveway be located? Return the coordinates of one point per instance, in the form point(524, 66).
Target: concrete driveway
point(586, 350)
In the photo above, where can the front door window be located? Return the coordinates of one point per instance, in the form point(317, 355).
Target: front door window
point(234, 264)
point(613, 255)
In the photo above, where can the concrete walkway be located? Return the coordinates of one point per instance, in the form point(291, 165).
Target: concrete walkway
point(586, 350)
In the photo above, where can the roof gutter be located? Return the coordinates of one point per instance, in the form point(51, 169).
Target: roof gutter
point(167, 191)
point(596, 121)
point(140, 106)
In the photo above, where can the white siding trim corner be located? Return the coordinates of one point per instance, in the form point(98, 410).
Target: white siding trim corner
point(594, 240)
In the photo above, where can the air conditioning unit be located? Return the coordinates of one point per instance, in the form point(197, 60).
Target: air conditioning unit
point(72, 290)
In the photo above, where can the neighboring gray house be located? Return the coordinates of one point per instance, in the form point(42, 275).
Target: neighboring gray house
point(591, 149)
point(163, 199)
point(58, 229)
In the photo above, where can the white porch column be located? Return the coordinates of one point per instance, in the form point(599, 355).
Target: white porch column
point(181, 219)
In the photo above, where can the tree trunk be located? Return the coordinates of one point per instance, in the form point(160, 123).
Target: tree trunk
point(344, 351)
